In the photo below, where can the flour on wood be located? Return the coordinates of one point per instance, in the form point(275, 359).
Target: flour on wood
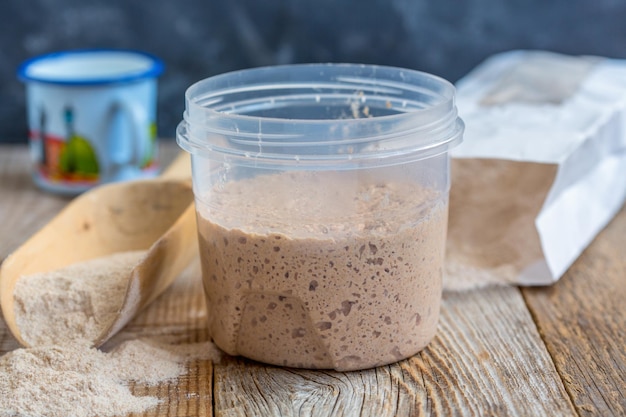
point(74, 379)
point(60, 313)
point(79, 301)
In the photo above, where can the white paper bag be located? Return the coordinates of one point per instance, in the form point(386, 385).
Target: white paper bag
point(542, 168)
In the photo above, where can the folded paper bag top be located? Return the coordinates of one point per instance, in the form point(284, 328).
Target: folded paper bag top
point(542, 169)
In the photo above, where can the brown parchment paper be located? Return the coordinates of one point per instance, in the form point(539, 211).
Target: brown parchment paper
point(491, 228)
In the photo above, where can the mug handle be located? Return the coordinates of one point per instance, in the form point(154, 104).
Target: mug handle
point(126, 150)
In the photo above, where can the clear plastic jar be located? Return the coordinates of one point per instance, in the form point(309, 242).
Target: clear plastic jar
point(322, 200)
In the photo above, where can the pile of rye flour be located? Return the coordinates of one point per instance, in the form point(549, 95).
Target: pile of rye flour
point(59, 314)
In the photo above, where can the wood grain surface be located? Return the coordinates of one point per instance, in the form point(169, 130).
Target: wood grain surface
point(582, 319)
point(487, 359)
point(505, 351)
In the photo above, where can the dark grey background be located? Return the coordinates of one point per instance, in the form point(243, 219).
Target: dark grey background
point(200, 38)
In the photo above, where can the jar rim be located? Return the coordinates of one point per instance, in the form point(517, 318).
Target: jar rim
point(422, 119)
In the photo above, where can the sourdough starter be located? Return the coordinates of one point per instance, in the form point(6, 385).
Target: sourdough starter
point(300, 270)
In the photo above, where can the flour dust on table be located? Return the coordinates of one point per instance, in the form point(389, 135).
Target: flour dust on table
point(60, 313)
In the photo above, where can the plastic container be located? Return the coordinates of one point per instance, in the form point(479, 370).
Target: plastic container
point(322, 196)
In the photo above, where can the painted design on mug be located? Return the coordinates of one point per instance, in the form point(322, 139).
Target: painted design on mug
point(78, 158)
point(71, 158)
point(149, 158)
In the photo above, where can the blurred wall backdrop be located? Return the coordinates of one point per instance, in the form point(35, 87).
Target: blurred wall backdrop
point(200, 38)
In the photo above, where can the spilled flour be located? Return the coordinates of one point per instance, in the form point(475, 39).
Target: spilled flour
point(76, 302)
point(59, 313)
point(75, 380)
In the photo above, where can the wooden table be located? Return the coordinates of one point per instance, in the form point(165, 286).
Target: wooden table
point(555, 351)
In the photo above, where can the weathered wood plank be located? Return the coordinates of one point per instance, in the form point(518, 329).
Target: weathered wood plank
point(7, 341)
point(487, 359)
point(582, 319)
point(23, 207)
point(189, 396)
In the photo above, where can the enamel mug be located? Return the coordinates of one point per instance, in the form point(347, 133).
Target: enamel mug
point(91, 117)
